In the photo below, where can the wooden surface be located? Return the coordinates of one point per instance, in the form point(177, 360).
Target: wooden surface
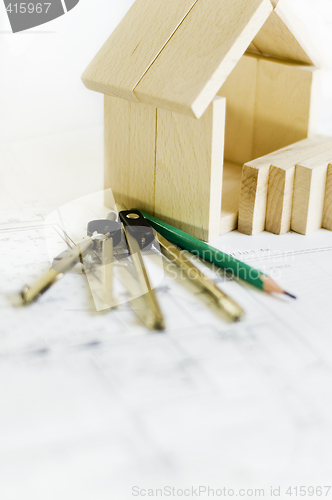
point(255, 178)
point(253, 196)
point(230, 197)
point(130, 138)
point(280, 197)
point(189, 170)
point(327, 213)
point(284, 36)
point(252, 49)
point(201, 54)
point(309, 193)
point(240, 92)
point(281, 184)
point(176, 55)
point(287, 105)
point(269, 105)
point(134, 45)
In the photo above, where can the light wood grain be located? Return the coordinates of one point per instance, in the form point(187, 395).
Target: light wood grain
point(269, 104)
point(327, 213)
point(240, 92)
point(284, 36)
point(309, 192)
point(230, 197)
point(252, 49)
point(280, 198)
point(130, 139)
point(281, 186)
point(287, 105)
point(189, 170)
point(255, 179)
point(201, 54)
point(134, 45)
point(253, 196)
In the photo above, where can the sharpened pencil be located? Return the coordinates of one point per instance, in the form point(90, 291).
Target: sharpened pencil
point(216, 257)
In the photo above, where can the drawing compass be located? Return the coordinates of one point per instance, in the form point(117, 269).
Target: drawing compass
point(96, 249)
point(96, 253)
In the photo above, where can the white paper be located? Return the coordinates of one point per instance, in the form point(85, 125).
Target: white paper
point(94, 404)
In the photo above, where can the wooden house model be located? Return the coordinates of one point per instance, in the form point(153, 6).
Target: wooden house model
point(195, 89)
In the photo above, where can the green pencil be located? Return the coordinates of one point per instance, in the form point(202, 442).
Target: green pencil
point(220, 259)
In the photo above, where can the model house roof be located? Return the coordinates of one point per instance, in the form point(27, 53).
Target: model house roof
point(176, 54)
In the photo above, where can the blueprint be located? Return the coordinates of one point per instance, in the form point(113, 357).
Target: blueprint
point(94, 406)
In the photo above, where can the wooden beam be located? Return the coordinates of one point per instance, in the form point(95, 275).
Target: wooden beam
point(287, 105)
point(309, 192)
point(284, 36)
point(240, 92)
point(253, 196)
point(189, 170)
point(327, 213)
point(231, 187)
point(255, 179)
point(134, 45)
point(201, 54)
point(281, 187)
point(130, 139)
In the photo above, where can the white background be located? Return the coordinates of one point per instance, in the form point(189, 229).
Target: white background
point(41, 92)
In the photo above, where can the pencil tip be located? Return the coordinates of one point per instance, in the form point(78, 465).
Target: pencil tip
point(271, 286)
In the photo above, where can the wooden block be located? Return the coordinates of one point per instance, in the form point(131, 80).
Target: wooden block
point(309, 193)
point(327, 213)
point(134, 45)
point(281, 185)
point(130, 139)
point(231, 187)
point(287, 105)
point(254, 183)
point(201, 54)
point(256, 124)
point(252, 49)
point(240, 92)
point(253, 196)
point(284, 36)
point(189, 170)
point(280, 197)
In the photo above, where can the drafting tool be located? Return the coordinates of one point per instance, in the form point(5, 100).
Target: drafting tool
point(99, 232)
point(139, 235)
point(215, 256)
point(96, 251)
point(226, 303)
point(233, 310)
